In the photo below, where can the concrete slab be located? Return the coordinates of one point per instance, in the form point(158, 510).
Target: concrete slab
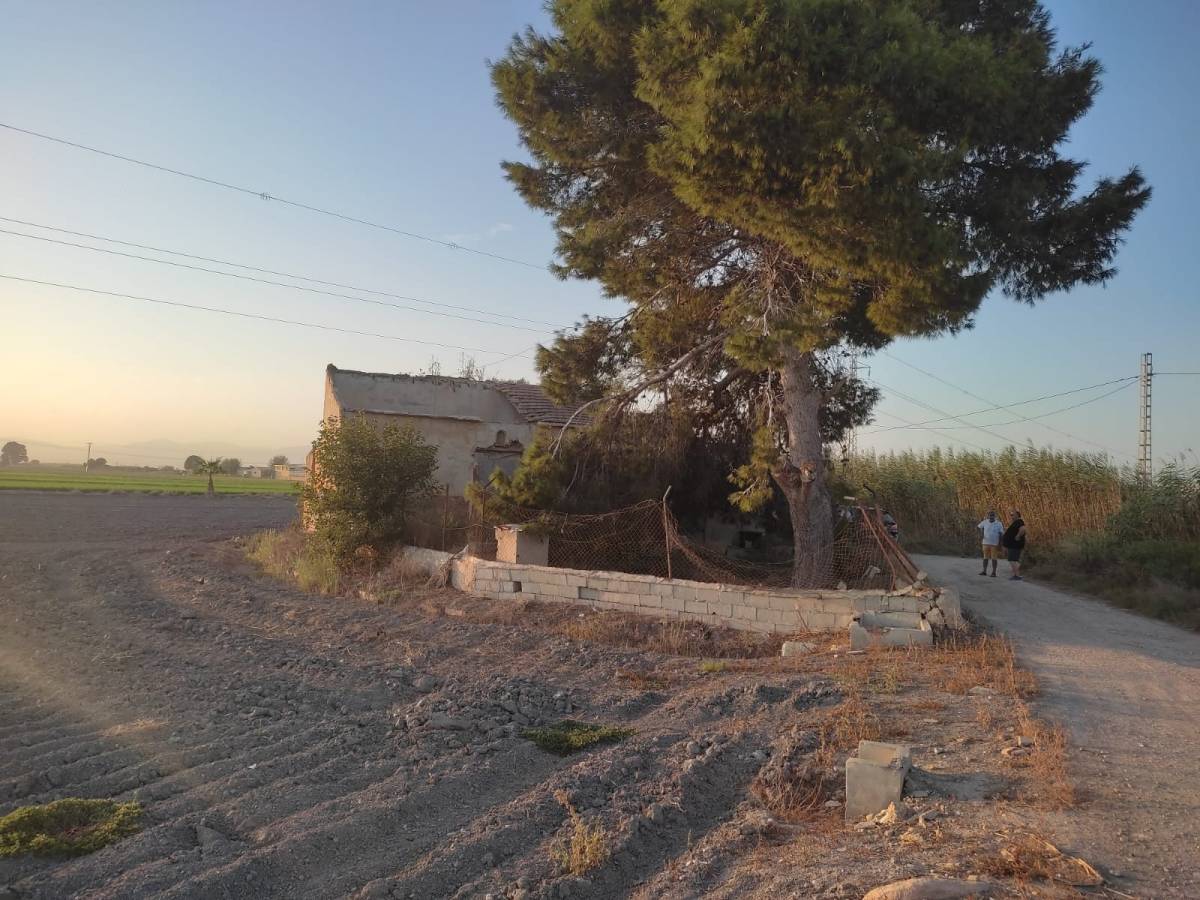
point(891, 619)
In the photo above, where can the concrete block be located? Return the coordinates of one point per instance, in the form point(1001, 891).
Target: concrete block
point(951, 606)
point(587, 593)
point(893, 619)
point(650, 601)
point(885, 754)
point(748, 613)
point(674, 603)
point(870, 787)
point(708, 595)
point(575, 580)
point(684, 592)
point(514, 544)
point(661, 589)
point(696, 607)
point(860, 638)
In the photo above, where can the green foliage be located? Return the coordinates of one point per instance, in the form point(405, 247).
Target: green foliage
point(193, 463)
point(568, 736)
point(367, 481)
point(763, 179)
point(279, 460)
point(585, 364)
point(230, 465)
point(49, 477)
point(13, 453)
point(70, 827)
point(288, 555)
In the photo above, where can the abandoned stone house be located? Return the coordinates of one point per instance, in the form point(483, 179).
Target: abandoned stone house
point(478, 427)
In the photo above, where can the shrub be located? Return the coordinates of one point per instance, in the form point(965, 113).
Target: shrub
point(70, 827)
point(366, 483)
point(584, 847)
point(567, 736)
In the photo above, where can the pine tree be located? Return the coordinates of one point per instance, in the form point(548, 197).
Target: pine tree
point(768, 180)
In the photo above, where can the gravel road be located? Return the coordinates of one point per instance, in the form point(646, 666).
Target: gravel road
point(1128, 689)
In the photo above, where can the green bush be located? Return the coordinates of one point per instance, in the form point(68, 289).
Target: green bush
point(567, 737)
point(70, 827)
point(366, 483)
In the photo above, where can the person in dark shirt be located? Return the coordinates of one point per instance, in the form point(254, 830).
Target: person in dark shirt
point(1014, 543)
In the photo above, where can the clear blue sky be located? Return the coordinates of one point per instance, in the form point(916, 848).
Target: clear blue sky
point(385, 111)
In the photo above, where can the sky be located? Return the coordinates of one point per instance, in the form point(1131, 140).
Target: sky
point(385, 112)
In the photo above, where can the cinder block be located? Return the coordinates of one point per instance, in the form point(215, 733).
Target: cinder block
point(721, 610)
point(950, 605)
point(883, 753)
point(650, 601)
point(574, 580)
point(662, 589)
point(587, 593)
point(870, 787)
point(746, 613)
point(684, 592)
point(675, 604)
point(696, 607)
point(891, 619)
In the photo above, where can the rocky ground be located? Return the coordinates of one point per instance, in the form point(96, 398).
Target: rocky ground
point(290, 745)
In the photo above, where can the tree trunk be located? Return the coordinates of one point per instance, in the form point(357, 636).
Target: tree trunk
point(211, 492)
point(801, 472)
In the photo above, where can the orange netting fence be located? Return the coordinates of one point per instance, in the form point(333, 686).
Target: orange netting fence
point(645, 539)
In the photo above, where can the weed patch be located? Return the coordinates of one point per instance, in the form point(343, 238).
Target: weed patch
point(567, 737)
point(583, 847)
point(70, 827)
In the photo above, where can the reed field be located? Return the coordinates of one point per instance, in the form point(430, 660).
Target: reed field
point(1093, 527)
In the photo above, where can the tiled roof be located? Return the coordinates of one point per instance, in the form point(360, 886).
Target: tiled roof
point(531, 402)
point(437, 396)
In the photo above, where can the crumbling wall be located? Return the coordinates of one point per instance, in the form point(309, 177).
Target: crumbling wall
point(731, 605)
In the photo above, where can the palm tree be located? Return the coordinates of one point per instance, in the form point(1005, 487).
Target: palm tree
point(210, 467)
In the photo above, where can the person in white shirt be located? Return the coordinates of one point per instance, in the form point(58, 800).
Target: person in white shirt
point(991, 530)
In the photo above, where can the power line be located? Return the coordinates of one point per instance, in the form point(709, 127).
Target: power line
point(263, 195)
point(940, 412)
point(1054, 412)
point(963, 390)
point(948, 437)
point(282, 284)
point(264, 271)
point(245, 315)
point(1129, 379)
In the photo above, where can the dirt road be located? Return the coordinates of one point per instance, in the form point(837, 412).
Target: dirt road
point(1128, 688)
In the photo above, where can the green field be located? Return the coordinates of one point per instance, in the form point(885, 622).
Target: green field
point(63, 478)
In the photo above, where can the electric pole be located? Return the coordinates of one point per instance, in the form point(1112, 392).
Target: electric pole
point(1145, 460)
point(87, 463)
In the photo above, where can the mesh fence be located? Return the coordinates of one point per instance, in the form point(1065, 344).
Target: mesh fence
point(645, 539)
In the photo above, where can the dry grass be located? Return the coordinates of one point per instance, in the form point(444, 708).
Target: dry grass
point(974, 660)
point(849, 722)
point(1029, 857)
point(584, 847)
point(1047, 761)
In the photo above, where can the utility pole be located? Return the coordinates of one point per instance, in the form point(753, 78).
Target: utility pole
point(1145, 460)
point(87, 463)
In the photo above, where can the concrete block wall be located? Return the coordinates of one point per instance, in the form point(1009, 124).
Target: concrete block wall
point(731, 605)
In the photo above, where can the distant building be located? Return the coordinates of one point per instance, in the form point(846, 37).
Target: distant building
point(291, 472)
point(253, 471)
point(478, 427)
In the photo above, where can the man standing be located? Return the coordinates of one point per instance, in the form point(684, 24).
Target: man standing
point(991, 530)
point(1014, 543)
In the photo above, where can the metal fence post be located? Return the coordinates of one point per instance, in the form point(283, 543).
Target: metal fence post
point(667, 529)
